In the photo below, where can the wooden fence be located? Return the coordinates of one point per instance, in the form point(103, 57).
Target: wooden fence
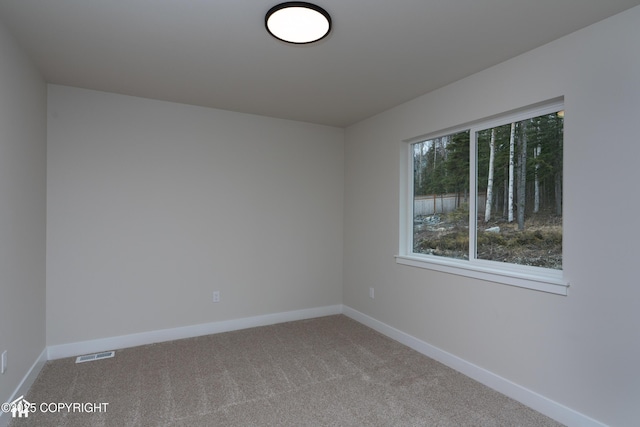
point(441, 203)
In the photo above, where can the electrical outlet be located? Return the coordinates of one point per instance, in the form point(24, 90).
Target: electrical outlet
point(216, 296)
point(372, 294)
point(3, 362)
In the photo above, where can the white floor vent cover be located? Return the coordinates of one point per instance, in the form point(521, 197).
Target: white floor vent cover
point(96, 356)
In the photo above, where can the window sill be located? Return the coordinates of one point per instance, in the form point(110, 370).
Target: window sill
point(550, 281)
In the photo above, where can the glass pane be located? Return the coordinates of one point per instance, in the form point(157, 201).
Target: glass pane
point(519, 195)
point(441, 196)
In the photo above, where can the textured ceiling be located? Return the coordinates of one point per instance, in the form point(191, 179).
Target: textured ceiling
point(218, 54)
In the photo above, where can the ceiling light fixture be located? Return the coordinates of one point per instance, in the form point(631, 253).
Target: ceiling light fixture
point(298, 22)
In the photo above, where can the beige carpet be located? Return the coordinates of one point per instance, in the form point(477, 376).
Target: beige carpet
point(330, 371)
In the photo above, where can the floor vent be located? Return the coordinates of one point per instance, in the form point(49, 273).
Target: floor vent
point(96, 356)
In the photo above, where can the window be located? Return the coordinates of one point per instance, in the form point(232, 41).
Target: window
point(485, 200)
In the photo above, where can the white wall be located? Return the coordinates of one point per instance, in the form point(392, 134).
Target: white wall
point(22, 213)
point(581, 350)
point(154, 205)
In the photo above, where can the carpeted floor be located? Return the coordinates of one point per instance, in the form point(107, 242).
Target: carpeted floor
point(330, 371)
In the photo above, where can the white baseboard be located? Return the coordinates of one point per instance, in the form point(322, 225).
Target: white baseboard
point(523, 395)
point(151, 337)
point(25, 385)
point(530, 398)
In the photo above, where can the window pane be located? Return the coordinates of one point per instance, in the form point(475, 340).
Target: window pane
point(519, 194)
point(441, 196)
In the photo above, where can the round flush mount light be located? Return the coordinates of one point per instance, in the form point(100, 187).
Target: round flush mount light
point(298, 22)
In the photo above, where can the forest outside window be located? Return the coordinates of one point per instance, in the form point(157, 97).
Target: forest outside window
point(486, 200)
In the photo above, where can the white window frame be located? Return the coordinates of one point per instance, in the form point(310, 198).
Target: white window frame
point(536, 278)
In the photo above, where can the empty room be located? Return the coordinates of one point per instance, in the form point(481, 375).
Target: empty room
point(408, 213)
